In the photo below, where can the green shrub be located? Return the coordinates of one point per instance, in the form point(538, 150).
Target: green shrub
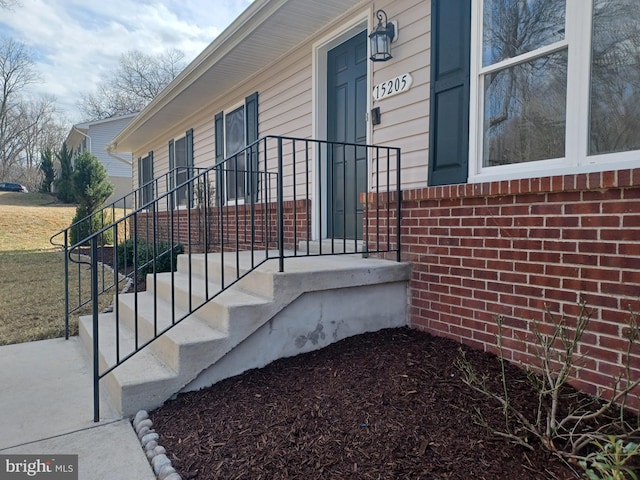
point(90, 181)
point(611, 460)
point(125, 252)
point(144, 255)
point(89, 225)
point(164, 258)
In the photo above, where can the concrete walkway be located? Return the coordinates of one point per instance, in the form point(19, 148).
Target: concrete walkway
point(46, 407)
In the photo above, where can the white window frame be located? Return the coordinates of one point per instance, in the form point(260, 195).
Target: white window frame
point(577, 40)
point(141, 165)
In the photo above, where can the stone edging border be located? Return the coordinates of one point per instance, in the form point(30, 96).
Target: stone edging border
point(156, 454)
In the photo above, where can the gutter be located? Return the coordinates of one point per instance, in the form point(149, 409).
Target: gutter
point(84, 135)
point(107, 148)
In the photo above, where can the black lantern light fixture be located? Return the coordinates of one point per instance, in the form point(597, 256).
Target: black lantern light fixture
point(381, 39)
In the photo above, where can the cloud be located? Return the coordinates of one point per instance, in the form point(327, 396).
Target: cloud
point(76, 43)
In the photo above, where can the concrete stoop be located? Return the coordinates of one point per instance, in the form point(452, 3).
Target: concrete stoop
point(265, 316)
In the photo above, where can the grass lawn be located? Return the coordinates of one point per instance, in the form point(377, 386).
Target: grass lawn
point(32, 280)
point(27, 220)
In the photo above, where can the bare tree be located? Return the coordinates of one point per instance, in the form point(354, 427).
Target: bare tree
point(16, 73)
point(28, 124)
point(39, 126)
point(8, 4)
point(138, 79)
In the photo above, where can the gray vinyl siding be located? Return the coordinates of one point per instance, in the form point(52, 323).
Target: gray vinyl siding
point(405, 117)
point(101, 135)
point(95, 138)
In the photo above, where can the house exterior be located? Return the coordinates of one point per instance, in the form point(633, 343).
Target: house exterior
point(95, 137)
point(520, 151)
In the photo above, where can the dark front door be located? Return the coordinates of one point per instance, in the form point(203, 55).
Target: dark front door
point(346, 122)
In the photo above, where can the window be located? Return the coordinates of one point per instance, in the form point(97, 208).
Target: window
point(557, 86)
point(234, 143)
point(181, 166)
point(145, 177)
point(615, 77)
point(234, 130)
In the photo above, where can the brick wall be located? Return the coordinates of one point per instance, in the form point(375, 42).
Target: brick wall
point(229, 226)
point(516, 248)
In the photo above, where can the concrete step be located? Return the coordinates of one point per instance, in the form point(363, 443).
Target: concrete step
point(265, 315)
point(185, 293)
point(228, 268)
point(233, 264)
point(185, 332)
point(135, 382)
point(330, 246)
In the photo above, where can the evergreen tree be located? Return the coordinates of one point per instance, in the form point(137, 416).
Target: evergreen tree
point(64, 184)
point(46, 166)
point(91, 187)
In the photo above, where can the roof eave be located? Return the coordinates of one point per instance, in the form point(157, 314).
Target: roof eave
point(237, 56)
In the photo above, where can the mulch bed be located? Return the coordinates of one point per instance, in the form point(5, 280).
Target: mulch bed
point(385, 405)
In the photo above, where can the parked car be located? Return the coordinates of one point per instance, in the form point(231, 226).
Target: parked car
point(12, 187)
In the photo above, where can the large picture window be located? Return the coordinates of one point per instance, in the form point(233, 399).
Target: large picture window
point(557, 85)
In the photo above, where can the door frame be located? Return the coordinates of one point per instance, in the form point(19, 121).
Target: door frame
point(354, 25)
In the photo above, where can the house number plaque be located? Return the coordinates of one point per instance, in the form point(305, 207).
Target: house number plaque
point(389, 88)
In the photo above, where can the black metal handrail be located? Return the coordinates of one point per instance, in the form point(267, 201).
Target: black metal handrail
point(257, 201)
point(105, 218)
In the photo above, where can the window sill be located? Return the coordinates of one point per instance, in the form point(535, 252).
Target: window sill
point(553, 168)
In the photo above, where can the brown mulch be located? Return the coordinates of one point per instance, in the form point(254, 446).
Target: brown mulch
point(385, 405)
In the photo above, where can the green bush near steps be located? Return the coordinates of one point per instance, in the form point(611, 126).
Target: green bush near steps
point(84, 226)
point(165, 257)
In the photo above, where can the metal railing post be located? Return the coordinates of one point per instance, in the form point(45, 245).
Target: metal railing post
point(280, 209)
point(66, 284)
point(94, 299)
point(398, 206)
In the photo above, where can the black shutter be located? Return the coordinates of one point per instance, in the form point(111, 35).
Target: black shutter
point(152, 192)
point(251, 121)
point(189, 136)
point(218, 127)
point(450, 77)
point(140, 183)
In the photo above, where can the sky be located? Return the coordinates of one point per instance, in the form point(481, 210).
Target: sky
point(75, 43)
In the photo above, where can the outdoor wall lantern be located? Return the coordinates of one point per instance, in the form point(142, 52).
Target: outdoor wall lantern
point(381, 38)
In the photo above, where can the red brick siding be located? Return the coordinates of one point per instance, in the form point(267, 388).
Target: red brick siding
point(514, 248)
point(229, 226)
